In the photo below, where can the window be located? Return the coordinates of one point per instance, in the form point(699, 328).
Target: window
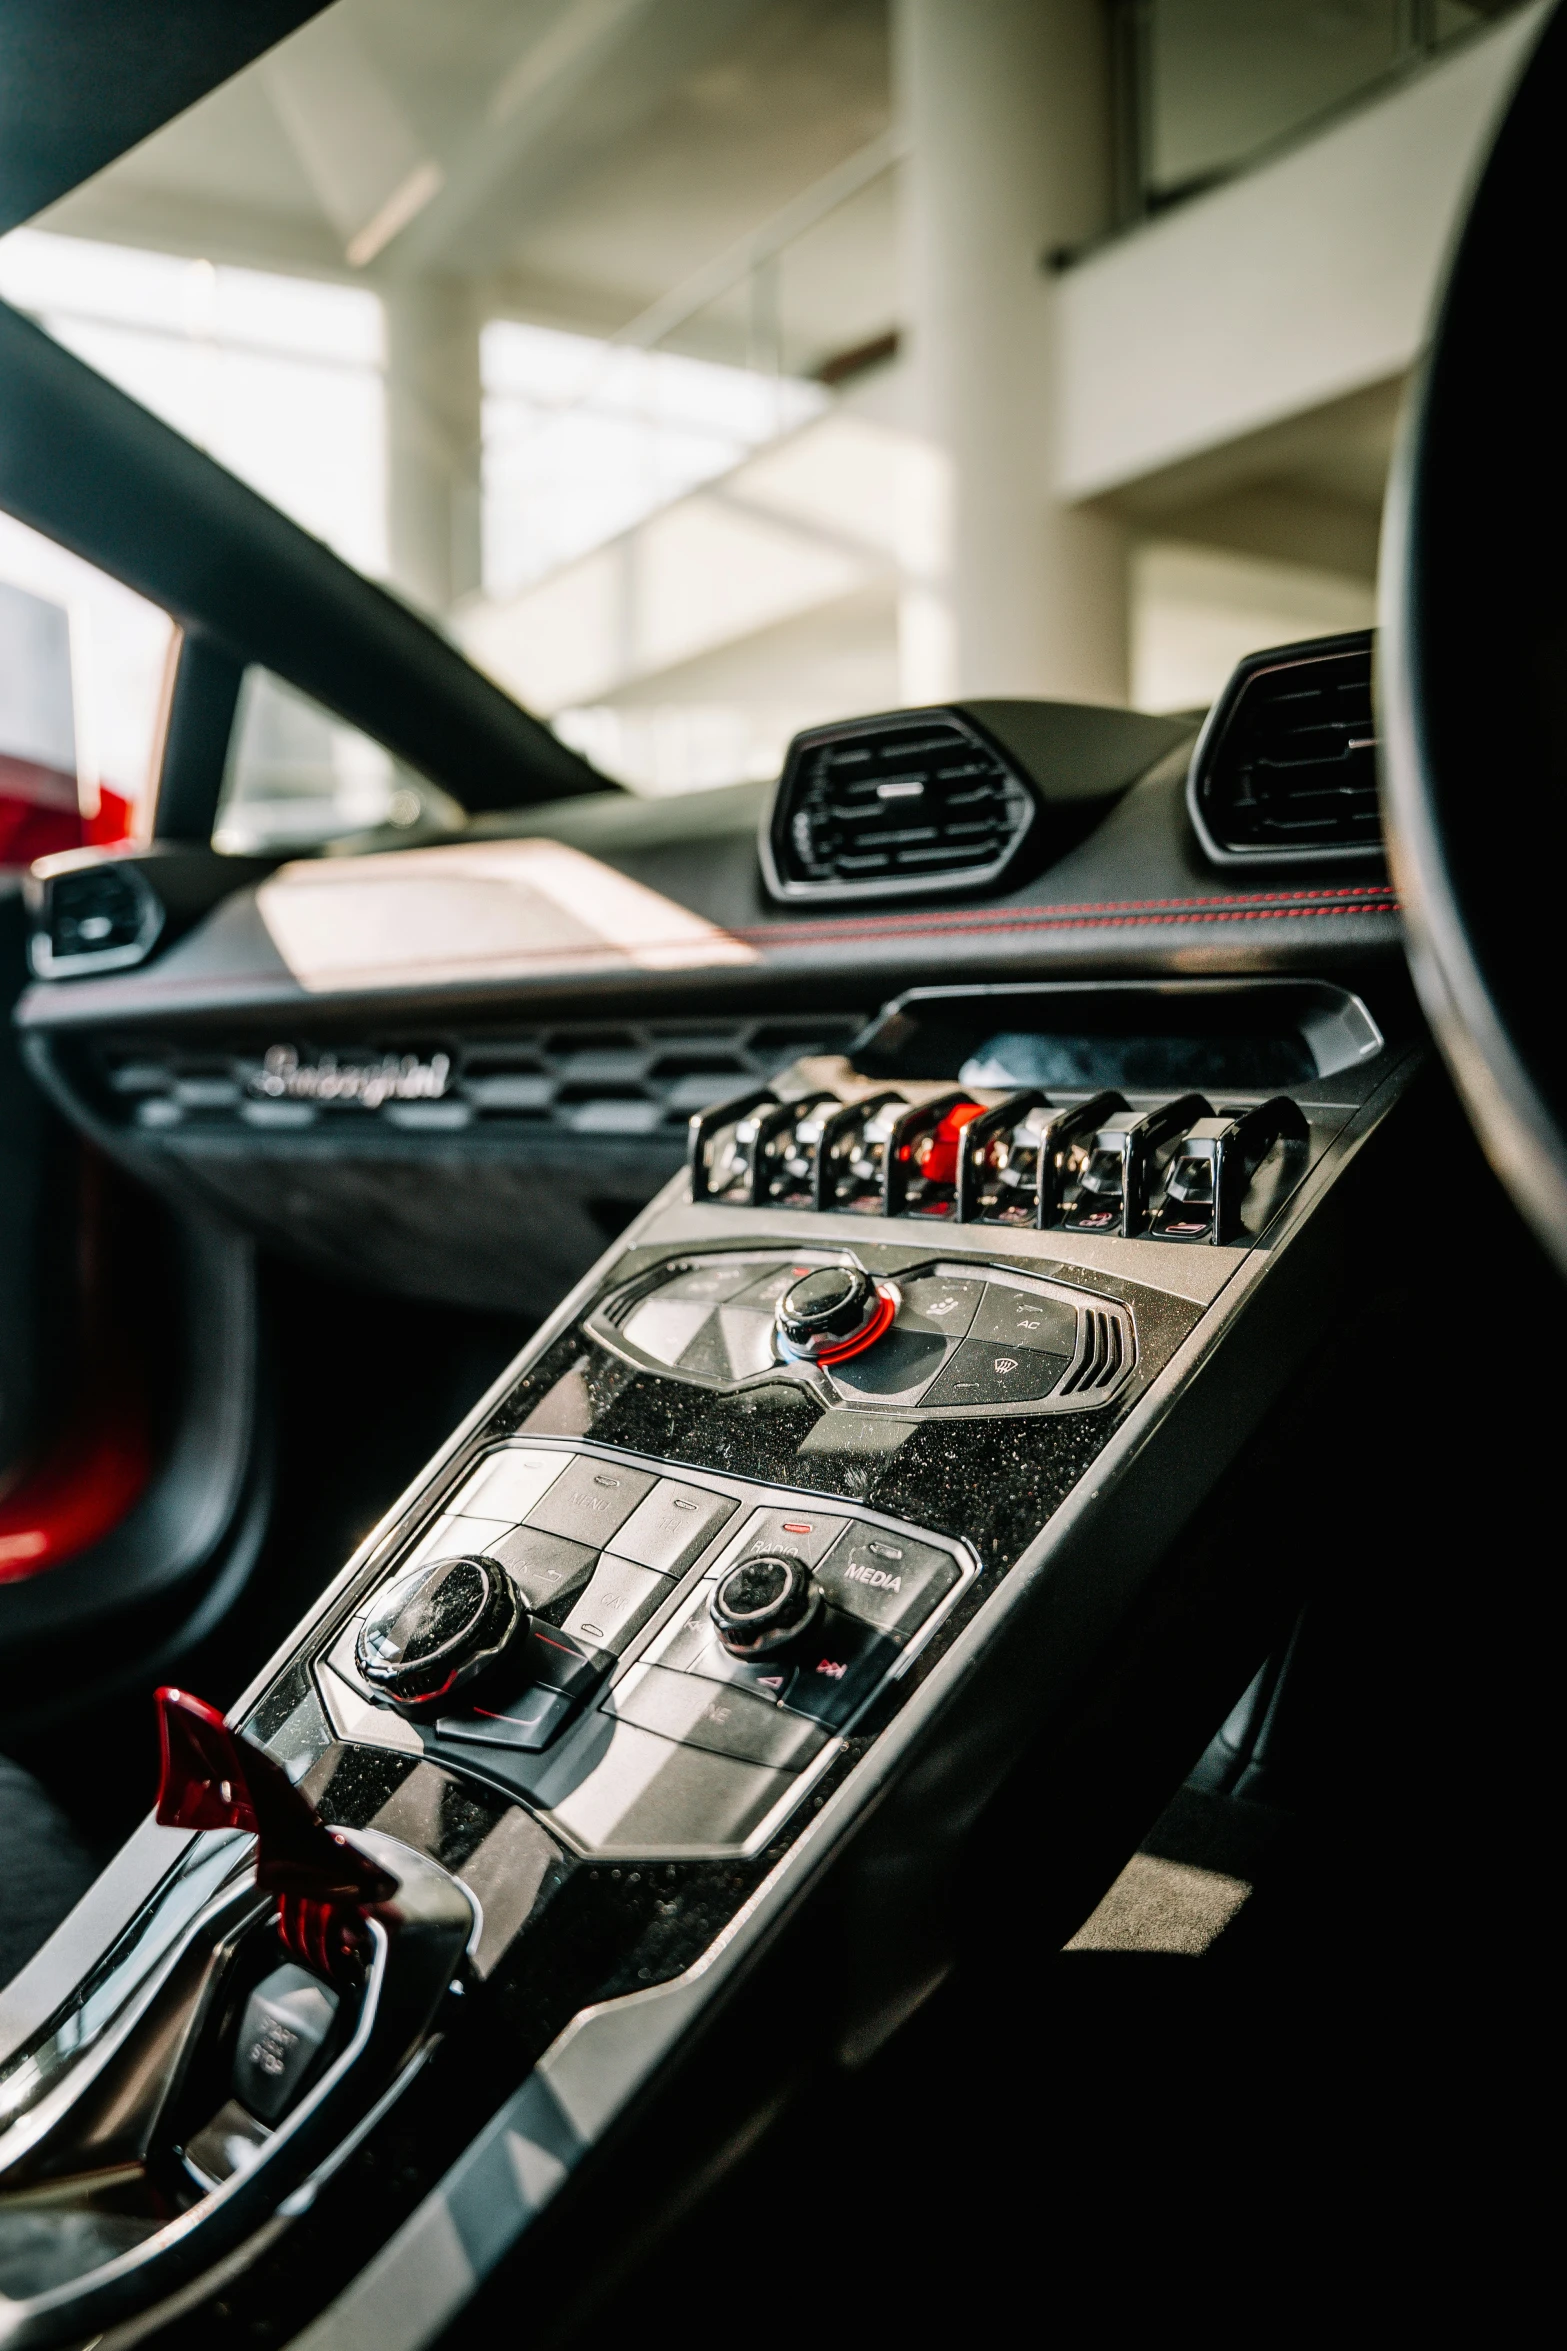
point(278, 377)
point(82, 669)
point(298, 778)
point(478, 300)
point(1208, 84)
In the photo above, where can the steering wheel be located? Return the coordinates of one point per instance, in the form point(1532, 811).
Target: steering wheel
point(1473, 683)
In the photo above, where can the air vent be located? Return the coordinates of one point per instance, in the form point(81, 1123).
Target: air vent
point(1104, 1350)
point(894, 808)
point(103, 917)
point(642, 1080)
point(1286, 768)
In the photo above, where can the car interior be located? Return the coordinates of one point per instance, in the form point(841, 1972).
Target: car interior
point(749, 1553)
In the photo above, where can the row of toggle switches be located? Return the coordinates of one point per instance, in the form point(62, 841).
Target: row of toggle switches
point(1177, 1172)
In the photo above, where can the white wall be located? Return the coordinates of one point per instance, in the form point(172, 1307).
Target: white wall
point(1305, 279)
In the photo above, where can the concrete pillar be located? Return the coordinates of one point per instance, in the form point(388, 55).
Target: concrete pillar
point(1008, 106)
point(433, 439)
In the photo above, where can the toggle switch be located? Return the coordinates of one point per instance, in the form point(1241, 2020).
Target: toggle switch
point(1016, 1157)
point(1213, 1166)
point(851, 1149)
point(779, 1163)
point(1115, 1168)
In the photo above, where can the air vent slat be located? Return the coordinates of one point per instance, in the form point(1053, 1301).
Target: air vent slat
point(895, 805)
point(1286, 766)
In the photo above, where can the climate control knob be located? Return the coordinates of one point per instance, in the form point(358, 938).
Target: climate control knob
point(765, 1603)
point(441, 1626)
point(832, 1312)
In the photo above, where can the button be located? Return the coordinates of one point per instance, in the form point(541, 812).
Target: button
point(508, 1483)
point(900, 1364)
point(886, 1580)
point(671, 1525)
point(723, 1720)
point(1019, 1318)
point(731, 1343)
point(838, 1669)
point(529, 1721)
point(282, 2034)
point(617, 1603)
point(589, 1501)
point(543, 1566)
point(984, 1371)
point(665, 1328)
point(747, 1339)
point(693, 1646)
point(802, 1532)
point(937, 1302)
point(763, 1294)
point(650, 1794)
point(447, 1538)
point(712, 1282)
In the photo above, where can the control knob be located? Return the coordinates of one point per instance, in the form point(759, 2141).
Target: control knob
point(832, 1312)
point(765, 1603)
point(441, 1626)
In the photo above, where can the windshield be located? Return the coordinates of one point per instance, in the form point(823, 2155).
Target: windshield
point(584, 325)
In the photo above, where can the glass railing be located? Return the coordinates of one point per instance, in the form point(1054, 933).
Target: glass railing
point(1207, 87)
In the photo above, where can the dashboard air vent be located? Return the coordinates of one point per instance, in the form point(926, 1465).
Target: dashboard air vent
point(101, 917)
point(1286, 768)
point(894, 807)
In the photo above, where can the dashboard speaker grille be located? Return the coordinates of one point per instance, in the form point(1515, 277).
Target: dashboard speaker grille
point(1286, 767)
point(894, 807)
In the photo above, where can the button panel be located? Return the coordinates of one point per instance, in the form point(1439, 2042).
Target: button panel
point(622, 1669)
point(950, 1338)
point(1173, 1171)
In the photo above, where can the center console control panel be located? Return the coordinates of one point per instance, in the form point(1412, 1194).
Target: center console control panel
point(940, 1338)
point(851, 1468)
point(657, 1664)
point(1174, 1169)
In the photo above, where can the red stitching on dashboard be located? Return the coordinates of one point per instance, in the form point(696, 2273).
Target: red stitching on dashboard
point(1066, 919)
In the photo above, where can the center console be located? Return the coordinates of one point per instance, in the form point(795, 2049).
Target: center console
point(832, 1483)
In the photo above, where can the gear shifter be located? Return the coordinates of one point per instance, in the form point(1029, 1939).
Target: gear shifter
point(326, 1885)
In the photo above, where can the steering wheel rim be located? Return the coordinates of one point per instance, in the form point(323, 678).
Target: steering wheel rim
point(1472, 682)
